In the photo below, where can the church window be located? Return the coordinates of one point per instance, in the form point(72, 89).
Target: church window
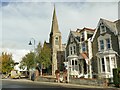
point(56, 41)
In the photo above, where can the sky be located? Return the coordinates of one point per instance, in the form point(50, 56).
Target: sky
point(22, 20)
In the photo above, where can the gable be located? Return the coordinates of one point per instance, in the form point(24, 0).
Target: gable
point(108, 26)
point(74, 37)
point(118, 26)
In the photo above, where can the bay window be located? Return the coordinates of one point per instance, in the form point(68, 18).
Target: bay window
point(103, 65)
point(108, 64)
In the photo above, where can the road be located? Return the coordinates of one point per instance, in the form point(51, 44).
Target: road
point(13, 84)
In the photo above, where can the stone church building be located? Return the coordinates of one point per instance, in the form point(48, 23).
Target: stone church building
point(55, 43)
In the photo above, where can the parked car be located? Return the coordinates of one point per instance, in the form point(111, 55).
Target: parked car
point(15, 74)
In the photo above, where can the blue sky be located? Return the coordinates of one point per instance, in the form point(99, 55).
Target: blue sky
point(26, 19)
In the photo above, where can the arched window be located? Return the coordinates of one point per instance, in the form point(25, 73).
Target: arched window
point(56, 41)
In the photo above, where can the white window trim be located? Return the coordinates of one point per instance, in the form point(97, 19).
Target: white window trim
point(72, 45)
point(73, 67)
point(100, 63)
point(106, 36)
point(108, 64)
point(101, 31)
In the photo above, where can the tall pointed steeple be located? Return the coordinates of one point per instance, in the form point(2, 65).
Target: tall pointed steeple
point(54, 28)
point(55, 42)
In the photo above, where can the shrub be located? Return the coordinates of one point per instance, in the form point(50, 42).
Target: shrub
point(116, 77)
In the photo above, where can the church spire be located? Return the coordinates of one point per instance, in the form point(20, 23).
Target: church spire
point(54, 28)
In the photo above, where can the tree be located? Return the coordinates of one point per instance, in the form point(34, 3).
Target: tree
point(28, 61)
point(43, 56)
point(7, 62)
point(46, 55)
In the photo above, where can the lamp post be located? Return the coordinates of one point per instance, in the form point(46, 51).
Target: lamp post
point(32, 42)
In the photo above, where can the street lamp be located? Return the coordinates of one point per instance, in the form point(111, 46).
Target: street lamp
point(32, 42)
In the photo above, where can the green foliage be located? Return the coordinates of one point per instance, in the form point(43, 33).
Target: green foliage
point(44, 55)
point(116, 76)
point(28, 61)
point(7, 62)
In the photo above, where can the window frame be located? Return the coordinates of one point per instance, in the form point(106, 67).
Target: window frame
point(74, 49)
point(108, 64)
point(102, 28)
point(103, 64)
point(56, 41)
point(101, 45)
point(83, 47)
point(108, 43)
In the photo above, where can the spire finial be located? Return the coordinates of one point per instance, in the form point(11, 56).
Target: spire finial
point(54, 5)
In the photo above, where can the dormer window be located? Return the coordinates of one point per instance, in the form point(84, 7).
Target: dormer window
point(102, 28)
point(71, 39)
point(82, 36)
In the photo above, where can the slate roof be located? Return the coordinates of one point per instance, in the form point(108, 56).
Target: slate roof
point(87, 29)
point(114, 26)
point(110, 24)
point(118, 25)
point(76, 35)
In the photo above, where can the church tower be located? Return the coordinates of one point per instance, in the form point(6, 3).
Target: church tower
point(55, 41)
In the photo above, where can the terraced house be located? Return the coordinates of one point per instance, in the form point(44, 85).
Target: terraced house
point(79, 52)
point(106, 48)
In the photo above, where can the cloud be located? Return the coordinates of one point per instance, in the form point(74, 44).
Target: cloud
point(17, 54)
point(87, 15)
point(23, 20)
point(60, 0)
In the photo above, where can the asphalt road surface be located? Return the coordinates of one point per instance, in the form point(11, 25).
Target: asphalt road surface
point(17, 84)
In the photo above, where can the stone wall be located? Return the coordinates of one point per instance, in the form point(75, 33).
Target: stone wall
point(93, 82)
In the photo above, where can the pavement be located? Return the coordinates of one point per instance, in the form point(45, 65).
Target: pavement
point(66, 85)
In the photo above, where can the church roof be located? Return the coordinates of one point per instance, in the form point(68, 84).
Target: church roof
point(54, 28)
